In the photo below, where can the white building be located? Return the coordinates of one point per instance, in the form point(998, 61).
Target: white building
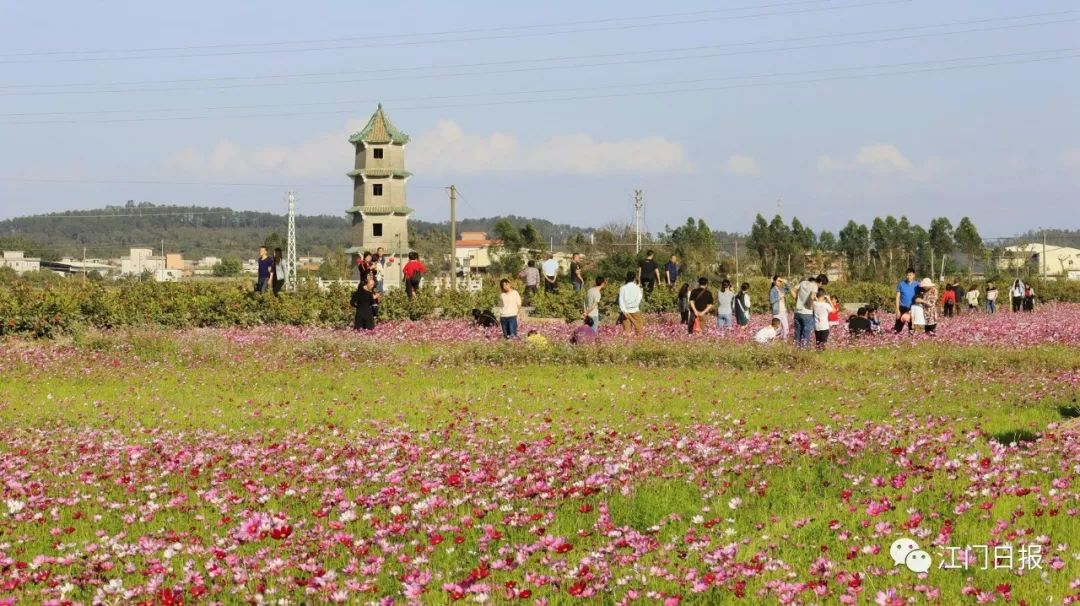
point(473, 251)
point(15, 259)
point(1049, 260)
point(140, 260)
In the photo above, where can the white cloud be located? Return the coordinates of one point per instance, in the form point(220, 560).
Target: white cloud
point(1070, 158)
point(448, 149)
point(442, 150)
point(742, 166)
point(881, 160)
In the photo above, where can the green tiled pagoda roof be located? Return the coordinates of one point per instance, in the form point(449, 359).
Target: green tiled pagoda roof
point(380, 129)
point(381, 210)
point(379, 173)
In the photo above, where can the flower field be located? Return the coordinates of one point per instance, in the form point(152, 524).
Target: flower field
point(431, 463)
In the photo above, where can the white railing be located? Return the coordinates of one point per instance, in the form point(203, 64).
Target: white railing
point(470, 284)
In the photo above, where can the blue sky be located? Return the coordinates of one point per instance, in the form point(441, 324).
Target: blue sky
point(556, 109)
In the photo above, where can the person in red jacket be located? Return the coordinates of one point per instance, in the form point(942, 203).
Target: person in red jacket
point(948, 300)
point(413, 272)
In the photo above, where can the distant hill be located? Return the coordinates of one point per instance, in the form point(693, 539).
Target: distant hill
point(198, 231)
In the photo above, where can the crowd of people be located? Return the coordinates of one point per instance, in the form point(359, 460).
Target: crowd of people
point(814, 315)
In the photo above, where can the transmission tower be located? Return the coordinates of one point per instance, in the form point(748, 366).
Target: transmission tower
point(290, 254)
point(639, 218)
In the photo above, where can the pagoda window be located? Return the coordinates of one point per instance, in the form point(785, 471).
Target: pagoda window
point(376, 230)
point(377, 153)
point(376, 189)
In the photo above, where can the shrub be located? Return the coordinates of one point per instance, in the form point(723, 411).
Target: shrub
point(48, 308)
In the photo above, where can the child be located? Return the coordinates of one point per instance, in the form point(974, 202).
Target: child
point(770, 332)
point(834, 315)
point(918, 315)
point(537, 340)
point(822, 308)
point(871, 314)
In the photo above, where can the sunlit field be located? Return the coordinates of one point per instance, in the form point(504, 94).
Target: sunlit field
point(433, 463)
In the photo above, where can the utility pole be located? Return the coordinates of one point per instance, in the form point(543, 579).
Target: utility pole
point(163, 248)
point(736, 259)
point(639, 215)
point(290, 253)
point(1042, 257)
point(453, 236)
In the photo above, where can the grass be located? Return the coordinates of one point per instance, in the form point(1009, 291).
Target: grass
point(1008, 396)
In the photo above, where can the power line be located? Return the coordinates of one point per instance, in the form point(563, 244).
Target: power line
point(353, 102)
point(153, 182)
point(466, 201)
point(651, 23)
point(486, 64)
point(143, 89)
point(665, 91)
point(392, 36)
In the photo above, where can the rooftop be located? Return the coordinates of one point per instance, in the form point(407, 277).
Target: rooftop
point(379, 129)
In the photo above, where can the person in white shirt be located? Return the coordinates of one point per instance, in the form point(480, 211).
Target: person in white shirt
point(630, 304)
point(1016, 292)
point(551, 273)
point(973, 298)
point(509, 308)
point(770, 332)
point(822, 308)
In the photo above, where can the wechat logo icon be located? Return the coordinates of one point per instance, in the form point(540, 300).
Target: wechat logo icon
point(906, 552)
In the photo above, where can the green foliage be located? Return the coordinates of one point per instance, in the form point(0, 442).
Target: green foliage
point(228, 267)
point(335, 266)
point(62, 306)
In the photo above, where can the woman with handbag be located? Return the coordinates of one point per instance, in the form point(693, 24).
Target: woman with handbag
point(701, 303)
point(742, 305)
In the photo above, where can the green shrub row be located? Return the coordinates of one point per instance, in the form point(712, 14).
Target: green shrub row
point(45, 309)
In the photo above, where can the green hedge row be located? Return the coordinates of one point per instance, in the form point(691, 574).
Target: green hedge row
point(58, 307)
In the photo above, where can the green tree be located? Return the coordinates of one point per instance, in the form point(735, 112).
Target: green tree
point(693, 242)
point(781, 243)
point(969, 241)
point(274, 240)
point(335, 265)
point(228, 267)
point(826, 242)
point(758, 241)
point(941, 236)
point(854, 244)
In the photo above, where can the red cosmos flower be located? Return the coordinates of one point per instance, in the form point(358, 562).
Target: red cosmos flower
point(281, 532)
point(521, 447)
point(1004, 589)
point(435, 539)
point(563, 547)
point(586, 508)
point(524, 594)
point(739, 588)
point(169, 597)
point(577, 589)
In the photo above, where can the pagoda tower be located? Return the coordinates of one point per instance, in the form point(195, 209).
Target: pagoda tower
point(379, 214)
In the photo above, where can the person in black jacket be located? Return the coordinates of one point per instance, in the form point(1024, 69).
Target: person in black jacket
point(364, 300)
